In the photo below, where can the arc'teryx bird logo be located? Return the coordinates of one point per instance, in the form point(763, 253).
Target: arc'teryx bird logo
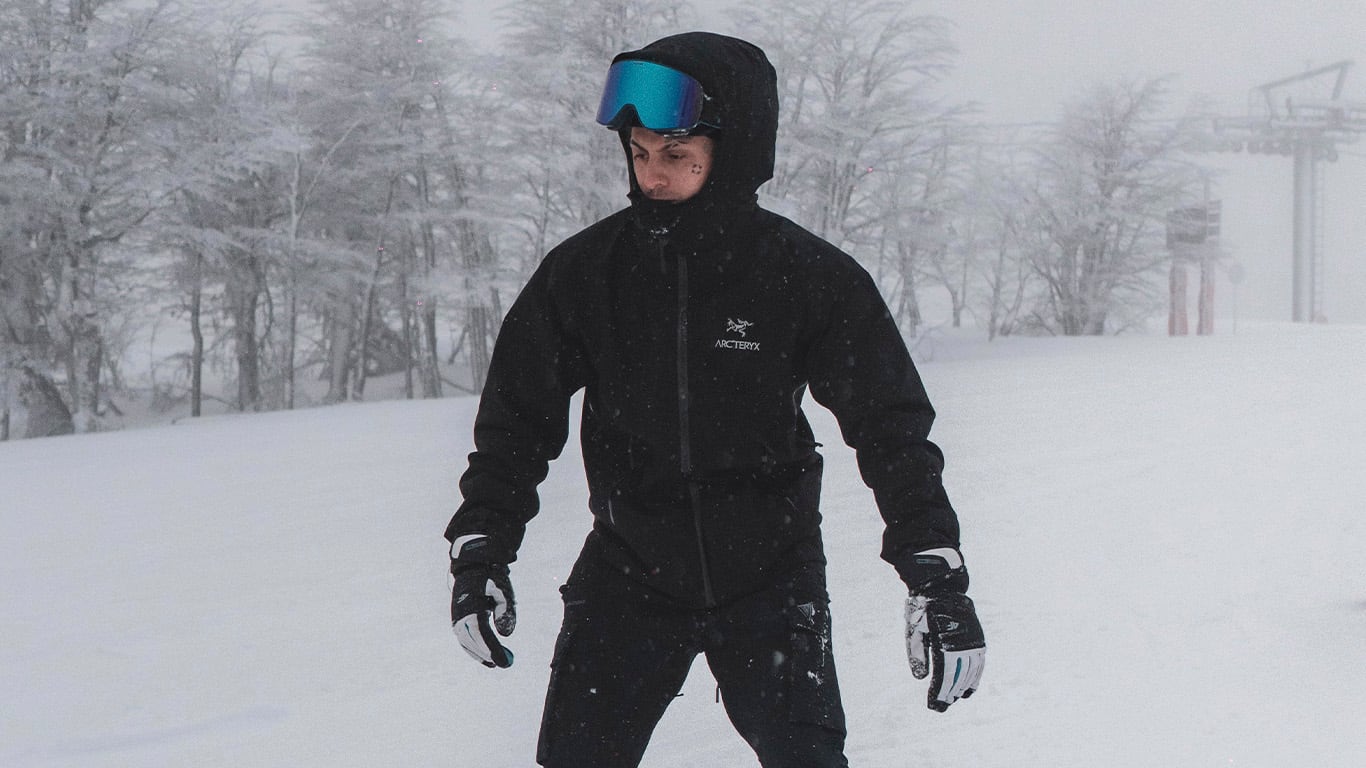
point(741, 328)
point(737, 326)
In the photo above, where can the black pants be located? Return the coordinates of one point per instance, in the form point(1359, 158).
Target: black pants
point(624, 651)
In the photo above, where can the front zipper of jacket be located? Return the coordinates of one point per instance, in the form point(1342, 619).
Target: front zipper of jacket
point(684, 430)
point(681, 363)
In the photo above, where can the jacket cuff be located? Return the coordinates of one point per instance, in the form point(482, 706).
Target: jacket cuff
point(932, 571)
point(472, 548)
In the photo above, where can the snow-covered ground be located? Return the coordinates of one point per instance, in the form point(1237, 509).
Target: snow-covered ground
point(1166, 538)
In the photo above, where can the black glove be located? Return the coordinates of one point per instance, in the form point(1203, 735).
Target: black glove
point(481, 601)
point(943, 634)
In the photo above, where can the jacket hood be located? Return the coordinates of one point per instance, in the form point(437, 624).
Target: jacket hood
point(741, 81)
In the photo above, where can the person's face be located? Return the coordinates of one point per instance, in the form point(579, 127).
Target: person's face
point(672, 168)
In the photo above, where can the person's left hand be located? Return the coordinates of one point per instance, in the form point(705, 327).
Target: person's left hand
point(944, 637)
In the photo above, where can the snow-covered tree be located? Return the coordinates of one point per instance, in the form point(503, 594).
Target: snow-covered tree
point(991, 235)
point(921, 198)
point(1107, 177)
point(856, 80)
point(81, 115)
point(226, 155)
point(378, 75)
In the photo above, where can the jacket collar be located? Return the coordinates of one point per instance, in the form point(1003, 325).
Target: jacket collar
point(700, 224)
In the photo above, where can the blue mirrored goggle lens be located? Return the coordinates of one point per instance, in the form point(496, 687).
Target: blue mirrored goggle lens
point(664, 99)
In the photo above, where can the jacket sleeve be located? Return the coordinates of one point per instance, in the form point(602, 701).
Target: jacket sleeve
point(860, 369)
point(523, 419)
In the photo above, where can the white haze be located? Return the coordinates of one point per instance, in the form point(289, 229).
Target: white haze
point(1022, 61)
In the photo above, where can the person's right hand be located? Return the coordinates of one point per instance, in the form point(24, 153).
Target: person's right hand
point(481, 601)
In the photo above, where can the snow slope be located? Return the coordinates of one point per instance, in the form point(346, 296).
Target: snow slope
point(1165, 537)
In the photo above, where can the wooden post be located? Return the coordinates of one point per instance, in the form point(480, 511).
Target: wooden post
point(1177, 324)
point(1205, 302)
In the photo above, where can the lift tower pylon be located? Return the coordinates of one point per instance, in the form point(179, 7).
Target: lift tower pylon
point(1303, 117)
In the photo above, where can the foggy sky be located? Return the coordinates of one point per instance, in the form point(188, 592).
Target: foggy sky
point(1022, 61)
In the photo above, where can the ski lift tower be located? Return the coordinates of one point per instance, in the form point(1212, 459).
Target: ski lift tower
point(1303, 117)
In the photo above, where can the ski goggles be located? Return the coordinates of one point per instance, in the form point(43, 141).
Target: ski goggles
point(660, 98)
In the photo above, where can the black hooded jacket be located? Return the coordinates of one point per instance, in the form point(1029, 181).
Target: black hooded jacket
point(695, 329)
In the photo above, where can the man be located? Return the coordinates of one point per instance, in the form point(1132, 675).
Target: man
point(695, 321)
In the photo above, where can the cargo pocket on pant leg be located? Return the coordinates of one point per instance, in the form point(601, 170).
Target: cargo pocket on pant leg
point(813, 690)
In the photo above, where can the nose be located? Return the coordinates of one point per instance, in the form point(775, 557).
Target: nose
point(650, 176)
